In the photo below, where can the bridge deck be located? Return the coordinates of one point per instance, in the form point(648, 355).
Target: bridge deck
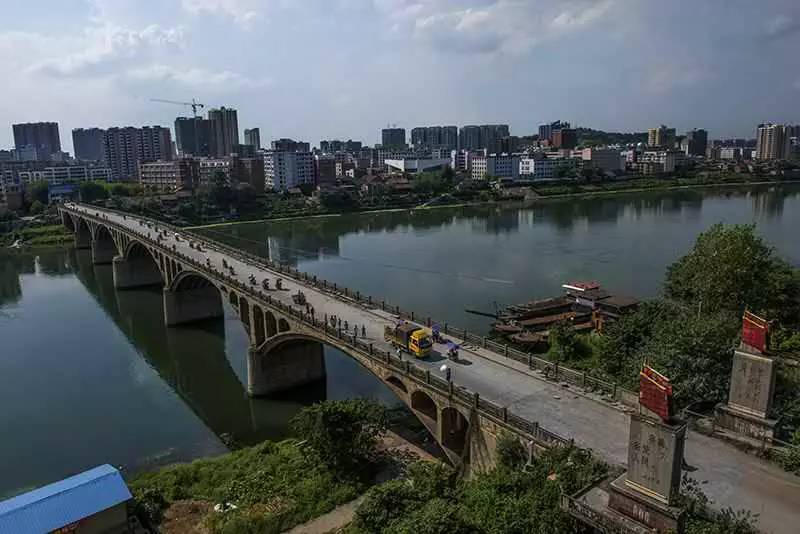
point(729, 477)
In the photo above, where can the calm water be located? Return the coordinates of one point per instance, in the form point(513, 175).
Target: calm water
point(90, 375)
point(440, 262)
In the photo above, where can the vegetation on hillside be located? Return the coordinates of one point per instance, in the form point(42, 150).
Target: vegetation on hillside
point(275, 486)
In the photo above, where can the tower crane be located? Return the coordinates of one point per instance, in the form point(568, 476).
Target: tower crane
point(194, 104)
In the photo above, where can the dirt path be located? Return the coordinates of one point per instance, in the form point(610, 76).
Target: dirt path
point(343, 514)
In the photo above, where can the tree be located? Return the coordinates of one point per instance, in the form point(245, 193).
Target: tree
point(564, 342)
point(731, 268)
point(40, 191)
point(91, 191)
point(37, 208)
point(343, 433)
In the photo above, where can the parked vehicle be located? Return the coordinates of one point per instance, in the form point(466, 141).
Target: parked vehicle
point(410, 338)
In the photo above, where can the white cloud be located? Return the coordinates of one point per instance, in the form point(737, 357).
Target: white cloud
point(244, 13)
point(499, 26)
point(102, 50)
point(195, 77)
point(781, 25)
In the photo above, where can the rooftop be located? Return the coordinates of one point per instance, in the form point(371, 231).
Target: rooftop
point(64, 502)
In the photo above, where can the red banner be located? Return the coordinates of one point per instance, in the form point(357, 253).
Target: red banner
point(755, 331)
point(655, 393)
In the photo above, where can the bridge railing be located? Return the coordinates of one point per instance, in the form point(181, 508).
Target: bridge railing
point(408, 369)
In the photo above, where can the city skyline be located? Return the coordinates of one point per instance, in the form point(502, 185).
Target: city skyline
point(614, 65)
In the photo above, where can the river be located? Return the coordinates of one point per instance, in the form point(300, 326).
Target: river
point(90, 375)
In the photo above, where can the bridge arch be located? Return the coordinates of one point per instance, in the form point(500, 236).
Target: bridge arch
point(104, 248)
point(233, 299)
point(259, 331)
point(137, 267)
point(422, 403)
point(83, 235)
point(455, 429)
point(283, 325)
point(271, 323)
point(396, 383)
point(191, 297)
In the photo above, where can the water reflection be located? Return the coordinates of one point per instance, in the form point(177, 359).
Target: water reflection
point(193, 360)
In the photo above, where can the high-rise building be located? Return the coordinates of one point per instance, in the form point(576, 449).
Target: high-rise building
point(193, 136)
point(125, 148)
point(696, 142)
point(43, 136)
point(87, 144)
point(393, 137)
point(435, 137)
point(661, 137)
point(546, 130)
point(285, 170)
point(252, 137)
point(290, 145)
point(224, 131)
point(486, 136)
point(564, 137)
point(772, 141)
point(469, 137)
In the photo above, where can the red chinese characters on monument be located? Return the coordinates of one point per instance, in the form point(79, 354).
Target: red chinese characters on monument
point(755, 331)
point(655, 393)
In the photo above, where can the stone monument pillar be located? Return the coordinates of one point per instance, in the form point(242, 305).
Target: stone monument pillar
point(644, 499)
point(747, 411)
point(647, 492)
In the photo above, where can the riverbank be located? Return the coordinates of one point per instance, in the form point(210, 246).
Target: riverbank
point(35, 238)
point(619, 188)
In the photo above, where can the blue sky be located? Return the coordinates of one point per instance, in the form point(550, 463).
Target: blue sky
point(317, 69)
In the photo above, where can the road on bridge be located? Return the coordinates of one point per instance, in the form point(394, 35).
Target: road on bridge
point(730, 477)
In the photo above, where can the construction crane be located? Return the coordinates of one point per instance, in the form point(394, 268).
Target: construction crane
point(194, 104)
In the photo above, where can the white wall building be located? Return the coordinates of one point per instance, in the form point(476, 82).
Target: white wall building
point(285, 170)
point(495, 166)
point(547, 168)
point(668, 159)
point(66, 174)
point(417, 165)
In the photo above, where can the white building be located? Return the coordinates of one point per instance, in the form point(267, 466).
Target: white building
point(496, 166)
point(417, 165)
point(547, 168)
point(668, 160)
point(605, 159)
point(66, 174)
point(730, 152)
point(285, 170)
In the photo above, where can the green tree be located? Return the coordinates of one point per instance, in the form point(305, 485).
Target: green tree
point(730, 268)
point(37, 208)
point(91, 191)
point(564, 342)
point(343, 433)
point(40, 190)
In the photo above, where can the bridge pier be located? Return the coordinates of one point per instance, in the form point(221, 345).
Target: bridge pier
point(103, 251)
point(129, 274)
point(283, 368)
point(190, 305)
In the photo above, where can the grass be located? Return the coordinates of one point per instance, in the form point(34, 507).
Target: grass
point(275, 487)
point(39, 236)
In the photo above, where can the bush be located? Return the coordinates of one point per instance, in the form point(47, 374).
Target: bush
point(510, 452)
point(343, 433)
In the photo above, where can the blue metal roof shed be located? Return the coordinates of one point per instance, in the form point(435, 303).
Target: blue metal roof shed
point(64, 502)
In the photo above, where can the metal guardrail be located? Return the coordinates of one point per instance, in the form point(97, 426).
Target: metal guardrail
point(487, 408)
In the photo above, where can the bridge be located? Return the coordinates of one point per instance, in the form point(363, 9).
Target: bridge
point(495, 389)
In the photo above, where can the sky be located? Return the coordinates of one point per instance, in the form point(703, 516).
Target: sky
point(328, 69)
